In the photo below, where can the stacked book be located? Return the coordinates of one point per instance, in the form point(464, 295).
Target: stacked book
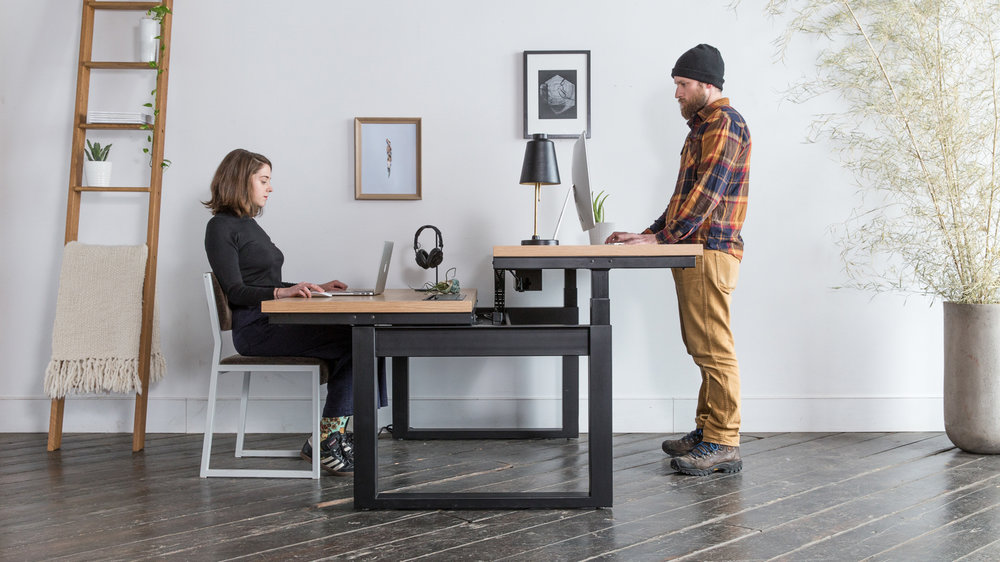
point(119, 117)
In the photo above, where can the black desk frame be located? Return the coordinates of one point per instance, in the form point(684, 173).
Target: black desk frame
point(403, 335)
point(567, 315)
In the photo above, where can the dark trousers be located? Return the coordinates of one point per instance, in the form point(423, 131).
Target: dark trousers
point(254, 335)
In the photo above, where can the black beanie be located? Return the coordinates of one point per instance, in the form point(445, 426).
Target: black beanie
point(702, 63)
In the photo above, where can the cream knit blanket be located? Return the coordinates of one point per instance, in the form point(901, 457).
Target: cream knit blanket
point(95, 339)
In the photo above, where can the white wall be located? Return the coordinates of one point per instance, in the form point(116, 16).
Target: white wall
point(287, 78)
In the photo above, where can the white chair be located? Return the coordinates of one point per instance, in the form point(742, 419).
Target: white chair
point(221, 319)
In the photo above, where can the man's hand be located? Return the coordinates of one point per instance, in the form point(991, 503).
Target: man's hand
point(630, 239)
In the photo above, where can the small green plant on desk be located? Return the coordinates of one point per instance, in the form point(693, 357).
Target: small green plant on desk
point(599, 200)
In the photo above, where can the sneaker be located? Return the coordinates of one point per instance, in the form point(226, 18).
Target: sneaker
point(682, 446)
point(347, 445)
point(331, 455)
point(707, 458)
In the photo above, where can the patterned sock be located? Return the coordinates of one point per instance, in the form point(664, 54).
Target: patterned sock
point(341, 424)
point(326, 427)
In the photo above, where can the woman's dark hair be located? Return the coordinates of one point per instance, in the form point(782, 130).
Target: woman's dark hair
point(231, 187)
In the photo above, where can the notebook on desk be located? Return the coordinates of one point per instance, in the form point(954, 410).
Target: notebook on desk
point(383, 274)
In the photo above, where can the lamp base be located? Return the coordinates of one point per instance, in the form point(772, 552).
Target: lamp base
point(536, 241)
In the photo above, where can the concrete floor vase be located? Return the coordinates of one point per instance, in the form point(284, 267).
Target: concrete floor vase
point(972, 376)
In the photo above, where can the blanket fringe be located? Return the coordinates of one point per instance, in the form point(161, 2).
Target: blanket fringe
point(118, 375)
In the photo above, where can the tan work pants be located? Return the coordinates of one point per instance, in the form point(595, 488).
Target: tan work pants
point(703, 296)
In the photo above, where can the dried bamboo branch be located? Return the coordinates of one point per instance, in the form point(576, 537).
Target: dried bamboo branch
point(924, 149)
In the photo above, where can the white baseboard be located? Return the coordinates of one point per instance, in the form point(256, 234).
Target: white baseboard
point(113, 414)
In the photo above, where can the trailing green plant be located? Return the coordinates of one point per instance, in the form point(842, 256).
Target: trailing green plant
point(147, 150)
point(919, 81)
point(95, 152)
point(598, 201)
point(157, 13)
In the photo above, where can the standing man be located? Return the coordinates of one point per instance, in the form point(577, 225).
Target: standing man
point(708, 207)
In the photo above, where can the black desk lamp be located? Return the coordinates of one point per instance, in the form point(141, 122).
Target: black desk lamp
point(539, 168)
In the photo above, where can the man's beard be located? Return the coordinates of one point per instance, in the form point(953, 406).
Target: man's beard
point(693, 105)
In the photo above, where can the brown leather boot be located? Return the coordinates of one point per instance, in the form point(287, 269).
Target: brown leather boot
point(682, 446)
point(707, 458)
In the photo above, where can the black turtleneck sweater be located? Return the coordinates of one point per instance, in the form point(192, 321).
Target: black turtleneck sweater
point(243, 258)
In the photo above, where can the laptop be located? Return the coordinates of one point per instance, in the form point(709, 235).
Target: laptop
point(383, 274)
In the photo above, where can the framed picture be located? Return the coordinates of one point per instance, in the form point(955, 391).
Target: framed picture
point(387, 158)
point(557, 93)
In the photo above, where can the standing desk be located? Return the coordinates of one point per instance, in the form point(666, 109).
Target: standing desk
point(400, 324)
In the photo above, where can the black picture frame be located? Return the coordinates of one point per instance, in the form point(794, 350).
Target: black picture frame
point(557, 93)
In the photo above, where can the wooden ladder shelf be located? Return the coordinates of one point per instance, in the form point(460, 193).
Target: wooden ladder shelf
point(76, 187)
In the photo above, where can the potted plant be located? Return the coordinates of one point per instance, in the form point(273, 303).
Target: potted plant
point(97, 168)
point(601, 229)
point(149, 34)
point(924, 143)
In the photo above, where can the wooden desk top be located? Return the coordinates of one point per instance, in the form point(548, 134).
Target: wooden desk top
point(599, 250)
point(392, 301)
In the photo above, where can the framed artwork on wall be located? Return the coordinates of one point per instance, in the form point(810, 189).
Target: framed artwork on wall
point(557, 93)
point(387, 158)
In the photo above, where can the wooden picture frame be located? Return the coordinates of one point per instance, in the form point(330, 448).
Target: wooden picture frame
point(557, 93)
point(387, 158)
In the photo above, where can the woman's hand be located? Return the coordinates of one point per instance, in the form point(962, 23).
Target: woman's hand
point(298, 290)
point(630, 239)
point(334, 286)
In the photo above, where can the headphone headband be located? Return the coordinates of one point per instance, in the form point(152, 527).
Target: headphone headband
point(437, 236)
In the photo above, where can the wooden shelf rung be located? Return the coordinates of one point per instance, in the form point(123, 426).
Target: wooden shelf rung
point(122, 5)
point(118, 126)
point(83, 188)
point(117, 65)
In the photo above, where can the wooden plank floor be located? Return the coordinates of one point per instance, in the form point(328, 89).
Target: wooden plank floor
point(801, 496)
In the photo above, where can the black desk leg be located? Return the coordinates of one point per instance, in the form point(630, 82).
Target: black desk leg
point(601, 479)
point(365, 417)
point(599, 413)
point(570, 396)
point(570, 367)
point(569, 289)
point(400, 397)
point(600, 299)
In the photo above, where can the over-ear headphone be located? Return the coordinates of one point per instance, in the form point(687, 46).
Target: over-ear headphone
point(433, 258)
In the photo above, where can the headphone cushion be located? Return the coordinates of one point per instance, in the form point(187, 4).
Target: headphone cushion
point(435, 257)
point(423, 259)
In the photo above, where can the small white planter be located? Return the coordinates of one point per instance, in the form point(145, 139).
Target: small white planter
point(600, 232)
point(972, 376)
point(98, 174)
point(149, 29)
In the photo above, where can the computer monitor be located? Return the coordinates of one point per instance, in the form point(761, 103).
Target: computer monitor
point(580, 191)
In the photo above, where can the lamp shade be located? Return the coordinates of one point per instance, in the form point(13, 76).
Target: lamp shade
point(540, 166)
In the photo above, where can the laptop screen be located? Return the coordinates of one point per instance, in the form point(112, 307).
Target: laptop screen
point(383, 267)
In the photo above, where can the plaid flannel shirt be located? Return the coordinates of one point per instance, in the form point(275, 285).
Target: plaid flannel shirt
point(709, 203)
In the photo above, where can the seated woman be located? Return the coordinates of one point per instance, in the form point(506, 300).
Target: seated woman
point(248, 267)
